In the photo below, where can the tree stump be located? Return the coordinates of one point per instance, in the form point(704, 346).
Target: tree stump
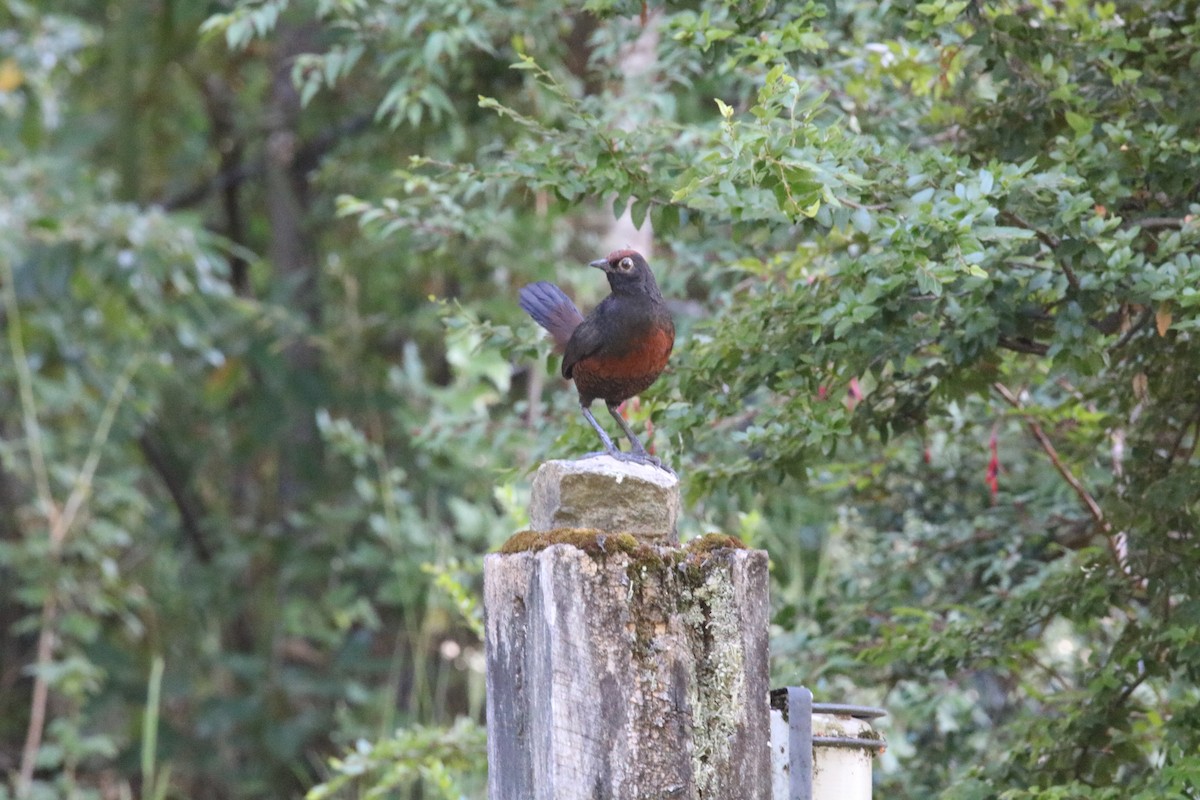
point(619, 668)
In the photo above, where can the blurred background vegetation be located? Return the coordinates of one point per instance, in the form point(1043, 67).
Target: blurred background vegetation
point(266, 396)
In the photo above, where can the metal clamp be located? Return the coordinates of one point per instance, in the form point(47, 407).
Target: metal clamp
point(796, 703)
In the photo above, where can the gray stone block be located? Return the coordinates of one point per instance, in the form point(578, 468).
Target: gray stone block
point(606, 495)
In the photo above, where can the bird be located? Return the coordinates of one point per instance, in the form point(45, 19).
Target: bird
point(618, 350)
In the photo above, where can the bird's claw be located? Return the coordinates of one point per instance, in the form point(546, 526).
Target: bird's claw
point(665, 468)
point(640, 455)
point(633, 458)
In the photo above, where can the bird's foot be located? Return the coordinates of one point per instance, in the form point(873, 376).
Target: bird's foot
point(658, 463)
point(632, 458)
point(639, 454)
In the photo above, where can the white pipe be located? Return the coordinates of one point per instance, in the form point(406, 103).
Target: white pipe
point(841, 772)
point(843, 748)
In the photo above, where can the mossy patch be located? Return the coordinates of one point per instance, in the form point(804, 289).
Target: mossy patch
point(714, 541)
point(874, 736)
point(591, 541)
point(599, 543)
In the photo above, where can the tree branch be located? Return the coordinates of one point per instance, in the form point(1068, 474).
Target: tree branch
point(875, 207)
point(60, 523)
point(29, 412)
point(1116, 542)
point(1193, 420)
point(1183, 429)
point(308, 157)
point(223, 180)
point(1048, 239)
point(230, 145)
point(175, 484)
point(1144, 318)
point(1153, 223)
point(41, 478)
point(1022, 344)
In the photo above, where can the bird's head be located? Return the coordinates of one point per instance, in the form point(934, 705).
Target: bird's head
point(628, 273)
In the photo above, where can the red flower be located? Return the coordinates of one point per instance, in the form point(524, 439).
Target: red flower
point(993, 467)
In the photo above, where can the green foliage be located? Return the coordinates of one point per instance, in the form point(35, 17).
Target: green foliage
point(433, 755)
point(936, 273)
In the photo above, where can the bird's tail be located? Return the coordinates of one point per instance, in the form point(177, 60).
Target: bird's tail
point(551, 309)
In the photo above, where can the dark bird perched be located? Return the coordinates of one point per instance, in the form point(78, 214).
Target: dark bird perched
point(619, 349)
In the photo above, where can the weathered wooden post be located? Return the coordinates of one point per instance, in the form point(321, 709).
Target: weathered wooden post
point(621, 666)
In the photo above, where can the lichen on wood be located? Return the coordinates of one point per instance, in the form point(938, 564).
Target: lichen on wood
point(658, 652)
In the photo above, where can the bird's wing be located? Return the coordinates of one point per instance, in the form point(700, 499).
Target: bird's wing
point(585, 341)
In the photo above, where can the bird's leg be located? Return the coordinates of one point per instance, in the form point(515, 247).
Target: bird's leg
point(635, 444)
point(609, 447)
point(639, 452)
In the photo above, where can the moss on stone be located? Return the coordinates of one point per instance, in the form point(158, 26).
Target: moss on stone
point(589, 540)
point(644, 556)
point(714, 541)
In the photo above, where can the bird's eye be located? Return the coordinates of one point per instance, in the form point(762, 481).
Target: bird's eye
point(626, 264)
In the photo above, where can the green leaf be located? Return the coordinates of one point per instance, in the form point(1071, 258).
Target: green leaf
point(861, 218)
point(637, 212)
point(927, 283)
point(1080, 124)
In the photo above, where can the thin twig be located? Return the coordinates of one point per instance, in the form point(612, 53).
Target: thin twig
point(60, 526)
point(852, 204)
point(1153, 223)
point(1023, 345)
point(1048, 239)
point(176, 485)
point(83, 483)
point(1116, 542)
point(41, 477)
point(1195, 440)
point(39, 699)
point(978, 537)
point(1194, 419)
point(29, 414)
point(1116, 703)
point(1144, 318)
point(308, 157)
point(1040, 435)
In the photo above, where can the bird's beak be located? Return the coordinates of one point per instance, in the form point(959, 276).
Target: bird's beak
point(599, 263)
